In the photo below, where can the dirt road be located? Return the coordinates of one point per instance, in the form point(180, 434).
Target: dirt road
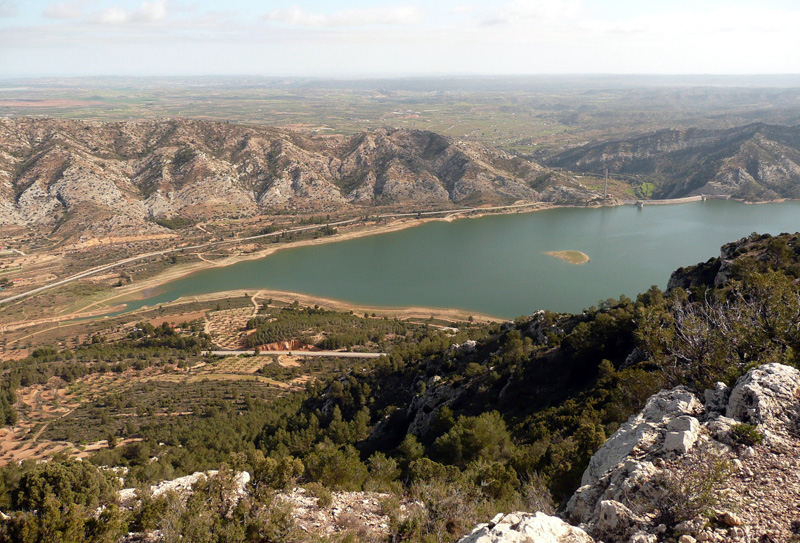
point(337, 354)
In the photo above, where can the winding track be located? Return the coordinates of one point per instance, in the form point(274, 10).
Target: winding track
point(105, 267)
point(338, 354)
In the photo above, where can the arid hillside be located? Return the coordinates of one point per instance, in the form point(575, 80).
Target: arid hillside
point(752, 162)
point(67, 177)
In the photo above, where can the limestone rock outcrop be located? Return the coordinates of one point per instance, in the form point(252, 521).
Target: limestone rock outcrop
point(644, 431)
point(767, 397)
point(678, 444)
point(365, 508)
point(526, 528)
point(183, 485)
point(686, 470)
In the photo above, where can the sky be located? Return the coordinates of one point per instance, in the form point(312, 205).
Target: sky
point(360, 38)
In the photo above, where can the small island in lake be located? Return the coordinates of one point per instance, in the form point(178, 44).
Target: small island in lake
point(573, 257)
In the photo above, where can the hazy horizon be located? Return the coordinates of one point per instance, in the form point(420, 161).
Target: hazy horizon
point(437, 80)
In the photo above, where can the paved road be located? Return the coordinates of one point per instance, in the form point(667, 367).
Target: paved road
point(338, 354)
point(239, 240)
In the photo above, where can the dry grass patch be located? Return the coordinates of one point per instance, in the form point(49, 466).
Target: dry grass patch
point(289, 361)
point(235, 364)
point(227, 326)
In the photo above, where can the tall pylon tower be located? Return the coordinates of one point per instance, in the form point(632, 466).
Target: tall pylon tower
point(605, 188)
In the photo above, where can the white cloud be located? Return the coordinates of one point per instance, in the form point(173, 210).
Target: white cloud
point(463, 9)
point(64, 10)
point(534, 11)
point(8, 9)
point(390, 15)
point(742, 21)
point(547, 10)
point(148, 12)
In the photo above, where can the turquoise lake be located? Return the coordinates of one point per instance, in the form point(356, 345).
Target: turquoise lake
point(495, 265)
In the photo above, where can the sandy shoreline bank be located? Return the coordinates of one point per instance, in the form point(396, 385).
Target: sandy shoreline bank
point(573, 257)
point(288, 297)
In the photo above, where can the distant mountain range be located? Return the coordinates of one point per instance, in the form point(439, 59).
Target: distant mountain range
point(63, 177)
point(752, 162)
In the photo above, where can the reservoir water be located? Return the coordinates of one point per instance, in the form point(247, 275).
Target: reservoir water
point(495, 265)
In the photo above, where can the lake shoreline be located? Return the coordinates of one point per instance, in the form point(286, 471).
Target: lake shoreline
point(153, 284)
point(133, 292)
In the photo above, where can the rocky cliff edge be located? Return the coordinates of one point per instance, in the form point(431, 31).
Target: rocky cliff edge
point(724, 467)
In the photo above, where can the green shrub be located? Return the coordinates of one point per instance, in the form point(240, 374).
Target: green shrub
point(334, 467)
point(383, 474)
point(275, 474)
point(746, 434)
point(70, 482)
point(323, 495)
point(484, 437)
point(693, 490)
point(175, 223)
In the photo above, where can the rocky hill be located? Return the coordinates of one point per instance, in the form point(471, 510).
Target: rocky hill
point(90, 176)
point(736, 259)
point(67, 178)
point(719, 468)
point(753, 162)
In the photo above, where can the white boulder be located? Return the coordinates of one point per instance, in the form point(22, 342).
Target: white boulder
point(526, 528)
point(682, 432)
point(766, 395)
point(613, 516)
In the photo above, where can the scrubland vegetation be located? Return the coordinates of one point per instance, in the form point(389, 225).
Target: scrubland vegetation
point(489, 418)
